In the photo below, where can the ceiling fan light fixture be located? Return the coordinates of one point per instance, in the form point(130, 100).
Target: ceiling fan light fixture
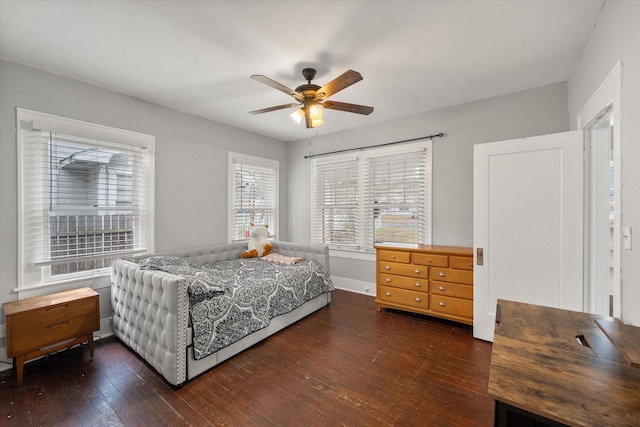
point(297, 115)
point(313, 98)
point(315, 112)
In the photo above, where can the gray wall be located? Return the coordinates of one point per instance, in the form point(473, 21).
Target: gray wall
point(617, 37)
point(190, 164)
point(529, 113)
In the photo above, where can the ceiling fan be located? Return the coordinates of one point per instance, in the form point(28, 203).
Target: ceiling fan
point(313, 98)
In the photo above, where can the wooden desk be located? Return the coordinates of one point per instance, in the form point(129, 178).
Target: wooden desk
point(558, 367)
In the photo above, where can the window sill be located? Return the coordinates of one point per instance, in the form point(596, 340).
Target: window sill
point(96, 281)
point(352, 254)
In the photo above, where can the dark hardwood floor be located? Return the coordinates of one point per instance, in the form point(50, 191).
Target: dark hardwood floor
point(344, 365)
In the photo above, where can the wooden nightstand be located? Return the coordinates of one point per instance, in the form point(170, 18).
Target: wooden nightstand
point(42, 325)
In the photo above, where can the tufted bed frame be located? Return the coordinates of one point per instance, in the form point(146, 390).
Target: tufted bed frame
point(151, 310)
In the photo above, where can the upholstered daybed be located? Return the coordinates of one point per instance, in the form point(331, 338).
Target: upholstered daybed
point(168, 307)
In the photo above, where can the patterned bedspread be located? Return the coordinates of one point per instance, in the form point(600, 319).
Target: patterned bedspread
point(231, 299)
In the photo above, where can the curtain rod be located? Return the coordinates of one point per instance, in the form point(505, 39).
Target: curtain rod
point(346, 150)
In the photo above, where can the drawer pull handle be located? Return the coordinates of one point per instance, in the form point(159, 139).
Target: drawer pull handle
point(442, 274)
point(442, 304)
point(387, 267)
point(387, 280)
point(418, 285)
point(388, 294)
point(57, 324)
point(418, 299)
point(428, 259)
point(417, 271)
point(393, 257)
point(442, 288)
point(470, 264)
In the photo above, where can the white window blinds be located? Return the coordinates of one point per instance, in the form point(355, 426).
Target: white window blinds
point(336, 215)
point(397, 191)
point(83, 202)
point(384, 195)
point(254, 191)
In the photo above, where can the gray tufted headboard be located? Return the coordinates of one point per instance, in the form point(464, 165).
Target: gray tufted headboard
point(223, 252)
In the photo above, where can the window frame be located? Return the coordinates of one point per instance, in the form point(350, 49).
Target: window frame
point(257, 162)
point(31, 276)
point(364, 247)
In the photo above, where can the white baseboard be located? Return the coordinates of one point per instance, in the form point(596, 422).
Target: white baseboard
point(106, 328)
point(352, 285)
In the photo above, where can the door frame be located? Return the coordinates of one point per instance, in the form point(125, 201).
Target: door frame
point(607, 95)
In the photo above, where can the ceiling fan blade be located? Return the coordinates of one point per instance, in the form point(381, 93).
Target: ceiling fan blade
point(351, 108)
point(344, 80)
point(279, 86)
point(277, 107)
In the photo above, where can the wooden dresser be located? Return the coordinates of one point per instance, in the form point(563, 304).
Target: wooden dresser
point(427, 279)
point(41, 325)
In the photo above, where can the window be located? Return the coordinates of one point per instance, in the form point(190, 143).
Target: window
point(85, 197)
point(253, 194)
point(381, 195)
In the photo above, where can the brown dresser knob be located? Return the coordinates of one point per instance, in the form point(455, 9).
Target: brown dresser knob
point(418, 285)
point(417, 271)
point(418, 299)
point(387, 280)
point(388, 294)
point(442, 288)
point(387, 267)
point(428, 259)
point(442, 304)
point(442, 274)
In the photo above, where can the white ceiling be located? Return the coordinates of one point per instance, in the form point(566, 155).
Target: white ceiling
point(197, 56)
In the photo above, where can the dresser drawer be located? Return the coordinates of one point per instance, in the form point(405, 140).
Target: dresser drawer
point(394, 256)
point(404, 297)
point(51, 315)
point(430, 259)
point(452, 290)
point(414, 284)
point(462, 263)
point(404, 269)
point(41, 336)
point(453, 306)
point(449, 275)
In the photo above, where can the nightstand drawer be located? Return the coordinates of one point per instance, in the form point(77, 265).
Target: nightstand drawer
point(403, 296)
point(414, 284)
point(47, 316)
point(453, 306)
point(404, 269)
point(54, 332)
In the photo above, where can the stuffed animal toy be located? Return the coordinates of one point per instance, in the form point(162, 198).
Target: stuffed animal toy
point(258, 244)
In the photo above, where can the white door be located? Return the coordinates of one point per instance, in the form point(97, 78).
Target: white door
point(528, 223)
